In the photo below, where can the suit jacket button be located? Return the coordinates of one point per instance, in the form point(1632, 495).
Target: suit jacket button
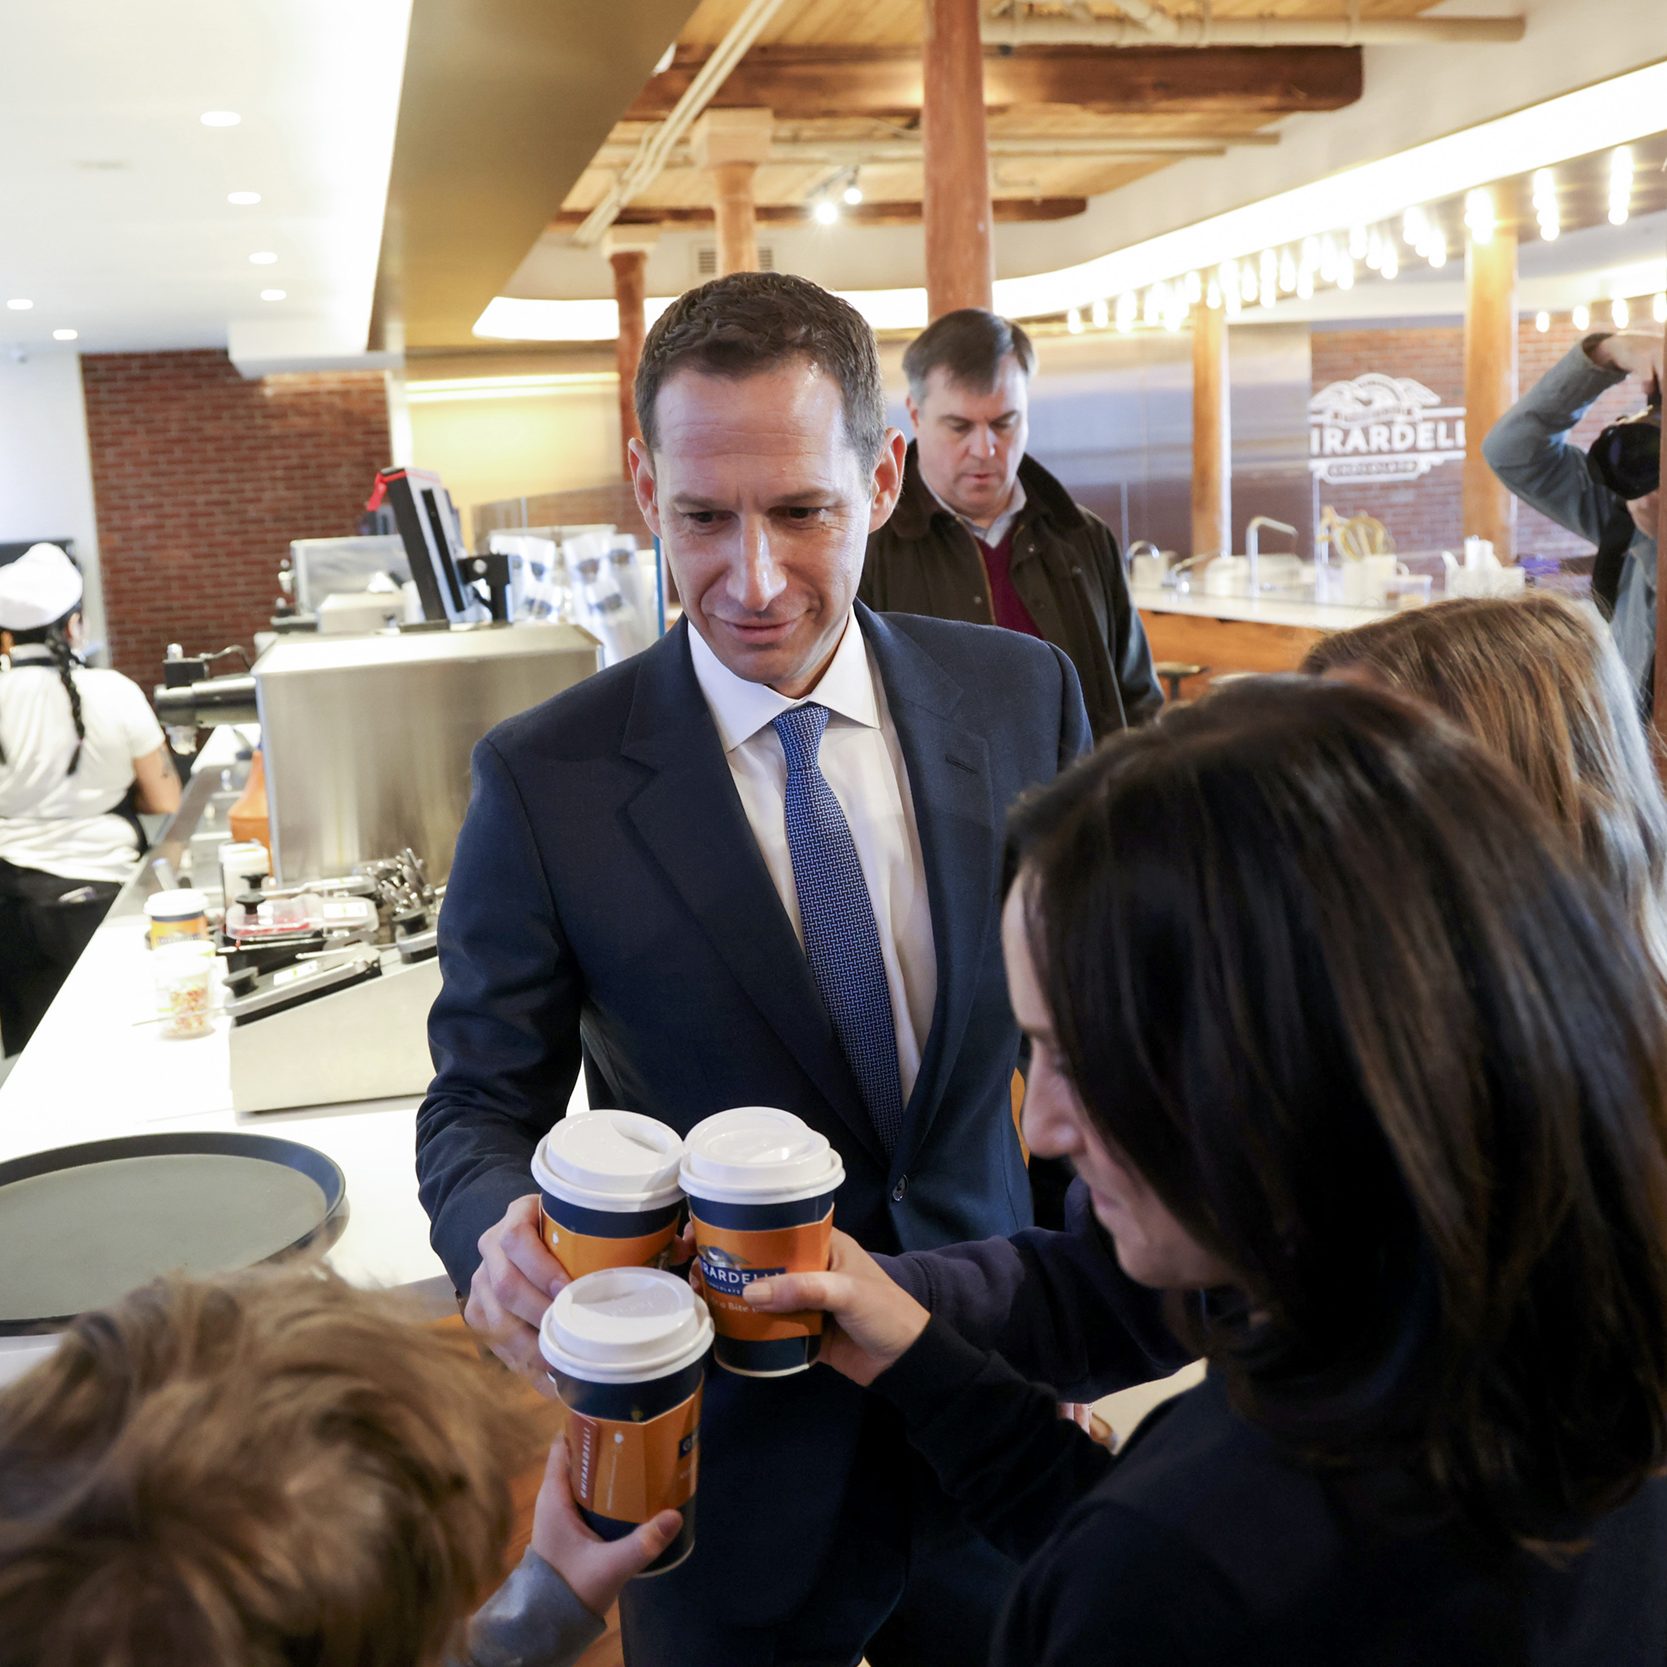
point(898, 1190)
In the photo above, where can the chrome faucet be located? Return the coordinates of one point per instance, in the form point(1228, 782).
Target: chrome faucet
point(1252, 544)
point(1172, 579)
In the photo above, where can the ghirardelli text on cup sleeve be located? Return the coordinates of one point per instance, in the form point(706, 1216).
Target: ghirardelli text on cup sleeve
point(608, 1188)
point(626, 1349)
point(626, 1469)
point(760, 1183)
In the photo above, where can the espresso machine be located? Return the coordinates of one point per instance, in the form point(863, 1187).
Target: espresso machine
point(324, 1016)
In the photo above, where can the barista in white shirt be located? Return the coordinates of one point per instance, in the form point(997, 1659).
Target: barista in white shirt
point(80, 752)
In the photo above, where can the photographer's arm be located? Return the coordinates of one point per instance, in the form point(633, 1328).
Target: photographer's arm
point(1529, 449)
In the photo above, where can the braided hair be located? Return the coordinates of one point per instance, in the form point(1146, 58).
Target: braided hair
point(55, 637)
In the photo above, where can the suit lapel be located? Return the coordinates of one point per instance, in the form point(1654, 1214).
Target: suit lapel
point(949, 783)
point(689, 816)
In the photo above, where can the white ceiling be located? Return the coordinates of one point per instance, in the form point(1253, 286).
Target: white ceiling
point(113, 211)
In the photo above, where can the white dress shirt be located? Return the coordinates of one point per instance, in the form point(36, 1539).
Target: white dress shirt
point(993, 534)
point(863, 764)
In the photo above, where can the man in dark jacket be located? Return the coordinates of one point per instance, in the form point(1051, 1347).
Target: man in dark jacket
point(985, 534)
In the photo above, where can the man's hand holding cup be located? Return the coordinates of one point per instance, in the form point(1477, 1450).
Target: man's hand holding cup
point(516, 1281)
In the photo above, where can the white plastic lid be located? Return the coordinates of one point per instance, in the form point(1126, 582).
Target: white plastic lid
point(625, 1325)
point(610, 1160)
point(758, 1155)
point(179, 904)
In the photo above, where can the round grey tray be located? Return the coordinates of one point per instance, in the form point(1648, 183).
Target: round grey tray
point(80, 1226)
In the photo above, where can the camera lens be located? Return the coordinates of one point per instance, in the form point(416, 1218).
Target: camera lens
point(1627, 455)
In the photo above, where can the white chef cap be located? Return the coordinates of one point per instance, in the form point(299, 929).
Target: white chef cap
point(41, 587)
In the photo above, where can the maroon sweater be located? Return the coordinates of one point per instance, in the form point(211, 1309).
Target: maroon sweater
point(1010, 611)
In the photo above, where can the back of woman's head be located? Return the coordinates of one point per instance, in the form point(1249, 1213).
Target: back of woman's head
point(1537, 680)
point(40, 594)
point(257, 1471)
point(1327, 979)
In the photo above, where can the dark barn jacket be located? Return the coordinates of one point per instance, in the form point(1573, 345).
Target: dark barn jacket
point(1065, 567)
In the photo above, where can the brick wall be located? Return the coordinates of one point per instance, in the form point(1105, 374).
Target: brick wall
point(1427, 514)
point(201, 478)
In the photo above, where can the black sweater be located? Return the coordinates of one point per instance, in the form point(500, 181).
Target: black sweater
point(1202, 1546)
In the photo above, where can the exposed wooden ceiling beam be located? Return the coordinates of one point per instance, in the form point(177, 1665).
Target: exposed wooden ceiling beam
point(1143, 28)
point(798, 150)
point(1007, 210)
point(801, 82)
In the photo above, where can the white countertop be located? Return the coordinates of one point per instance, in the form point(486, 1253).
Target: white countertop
point(99, 1066)
point(1259, 610)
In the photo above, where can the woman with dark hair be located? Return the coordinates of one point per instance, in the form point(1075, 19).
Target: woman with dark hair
point(80, 751)
point(1338, 1035)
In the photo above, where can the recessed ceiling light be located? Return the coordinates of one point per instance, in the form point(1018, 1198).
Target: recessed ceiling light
point(273, 294)
point(19, 305)
point(220, 118)
point(263, 257)
point(243, 199)
point(65, 335)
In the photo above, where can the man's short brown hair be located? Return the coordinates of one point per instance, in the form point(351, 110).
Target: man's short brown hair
point(755, 321)
point(968, 345)
point(270, 1469)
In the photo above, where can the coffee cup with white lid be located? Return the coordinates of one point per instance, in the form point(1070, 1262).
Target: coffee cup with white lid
point(609, 1193)
point(180, 914)
point(626, 1350)
point(760, 1183)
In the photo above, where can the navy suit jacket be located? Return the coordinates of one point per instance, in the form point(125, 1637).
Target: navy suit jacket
point(608, 902)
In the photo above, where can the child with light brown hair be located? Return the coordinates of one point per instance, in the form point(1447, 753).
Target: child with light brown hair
point(275, 1469)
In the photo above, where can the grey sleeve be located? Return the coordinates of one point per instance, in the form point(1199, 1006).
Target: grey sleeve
point(532, 1620)
point(1529, 450)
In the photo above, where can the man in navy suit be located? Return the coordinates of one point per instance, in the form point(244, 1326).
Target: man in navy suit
point(627, 893)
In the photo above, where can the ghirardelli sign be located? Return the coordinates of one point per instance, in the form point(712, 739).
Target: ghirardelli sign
point(1381, 427)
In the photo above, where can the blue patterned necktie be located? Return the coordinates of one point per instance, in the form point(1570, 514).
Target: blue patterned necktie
point(842, 942)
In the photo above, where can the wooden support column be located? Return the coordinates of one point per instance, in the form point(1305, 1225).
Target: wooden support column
point(627, 253)
point(737, 219)
point(960, 256)
point(1490, 382)
point(1212, 435)
point(731, 144)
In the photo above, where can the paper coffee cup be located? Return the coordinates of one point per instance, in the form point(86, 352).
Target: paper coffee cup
point(626, 1350)
point(610, 1198)
point(760, 1184)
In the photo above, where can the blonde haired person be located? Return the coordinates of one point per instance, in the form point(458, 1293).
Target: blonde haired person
point(1539, 682)
point(274, 1469)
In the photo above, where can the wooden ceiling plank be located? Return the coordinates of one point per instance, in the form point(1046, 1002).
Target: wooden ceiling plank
point(805, 82)
point(899, 22)
point(684, 217)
